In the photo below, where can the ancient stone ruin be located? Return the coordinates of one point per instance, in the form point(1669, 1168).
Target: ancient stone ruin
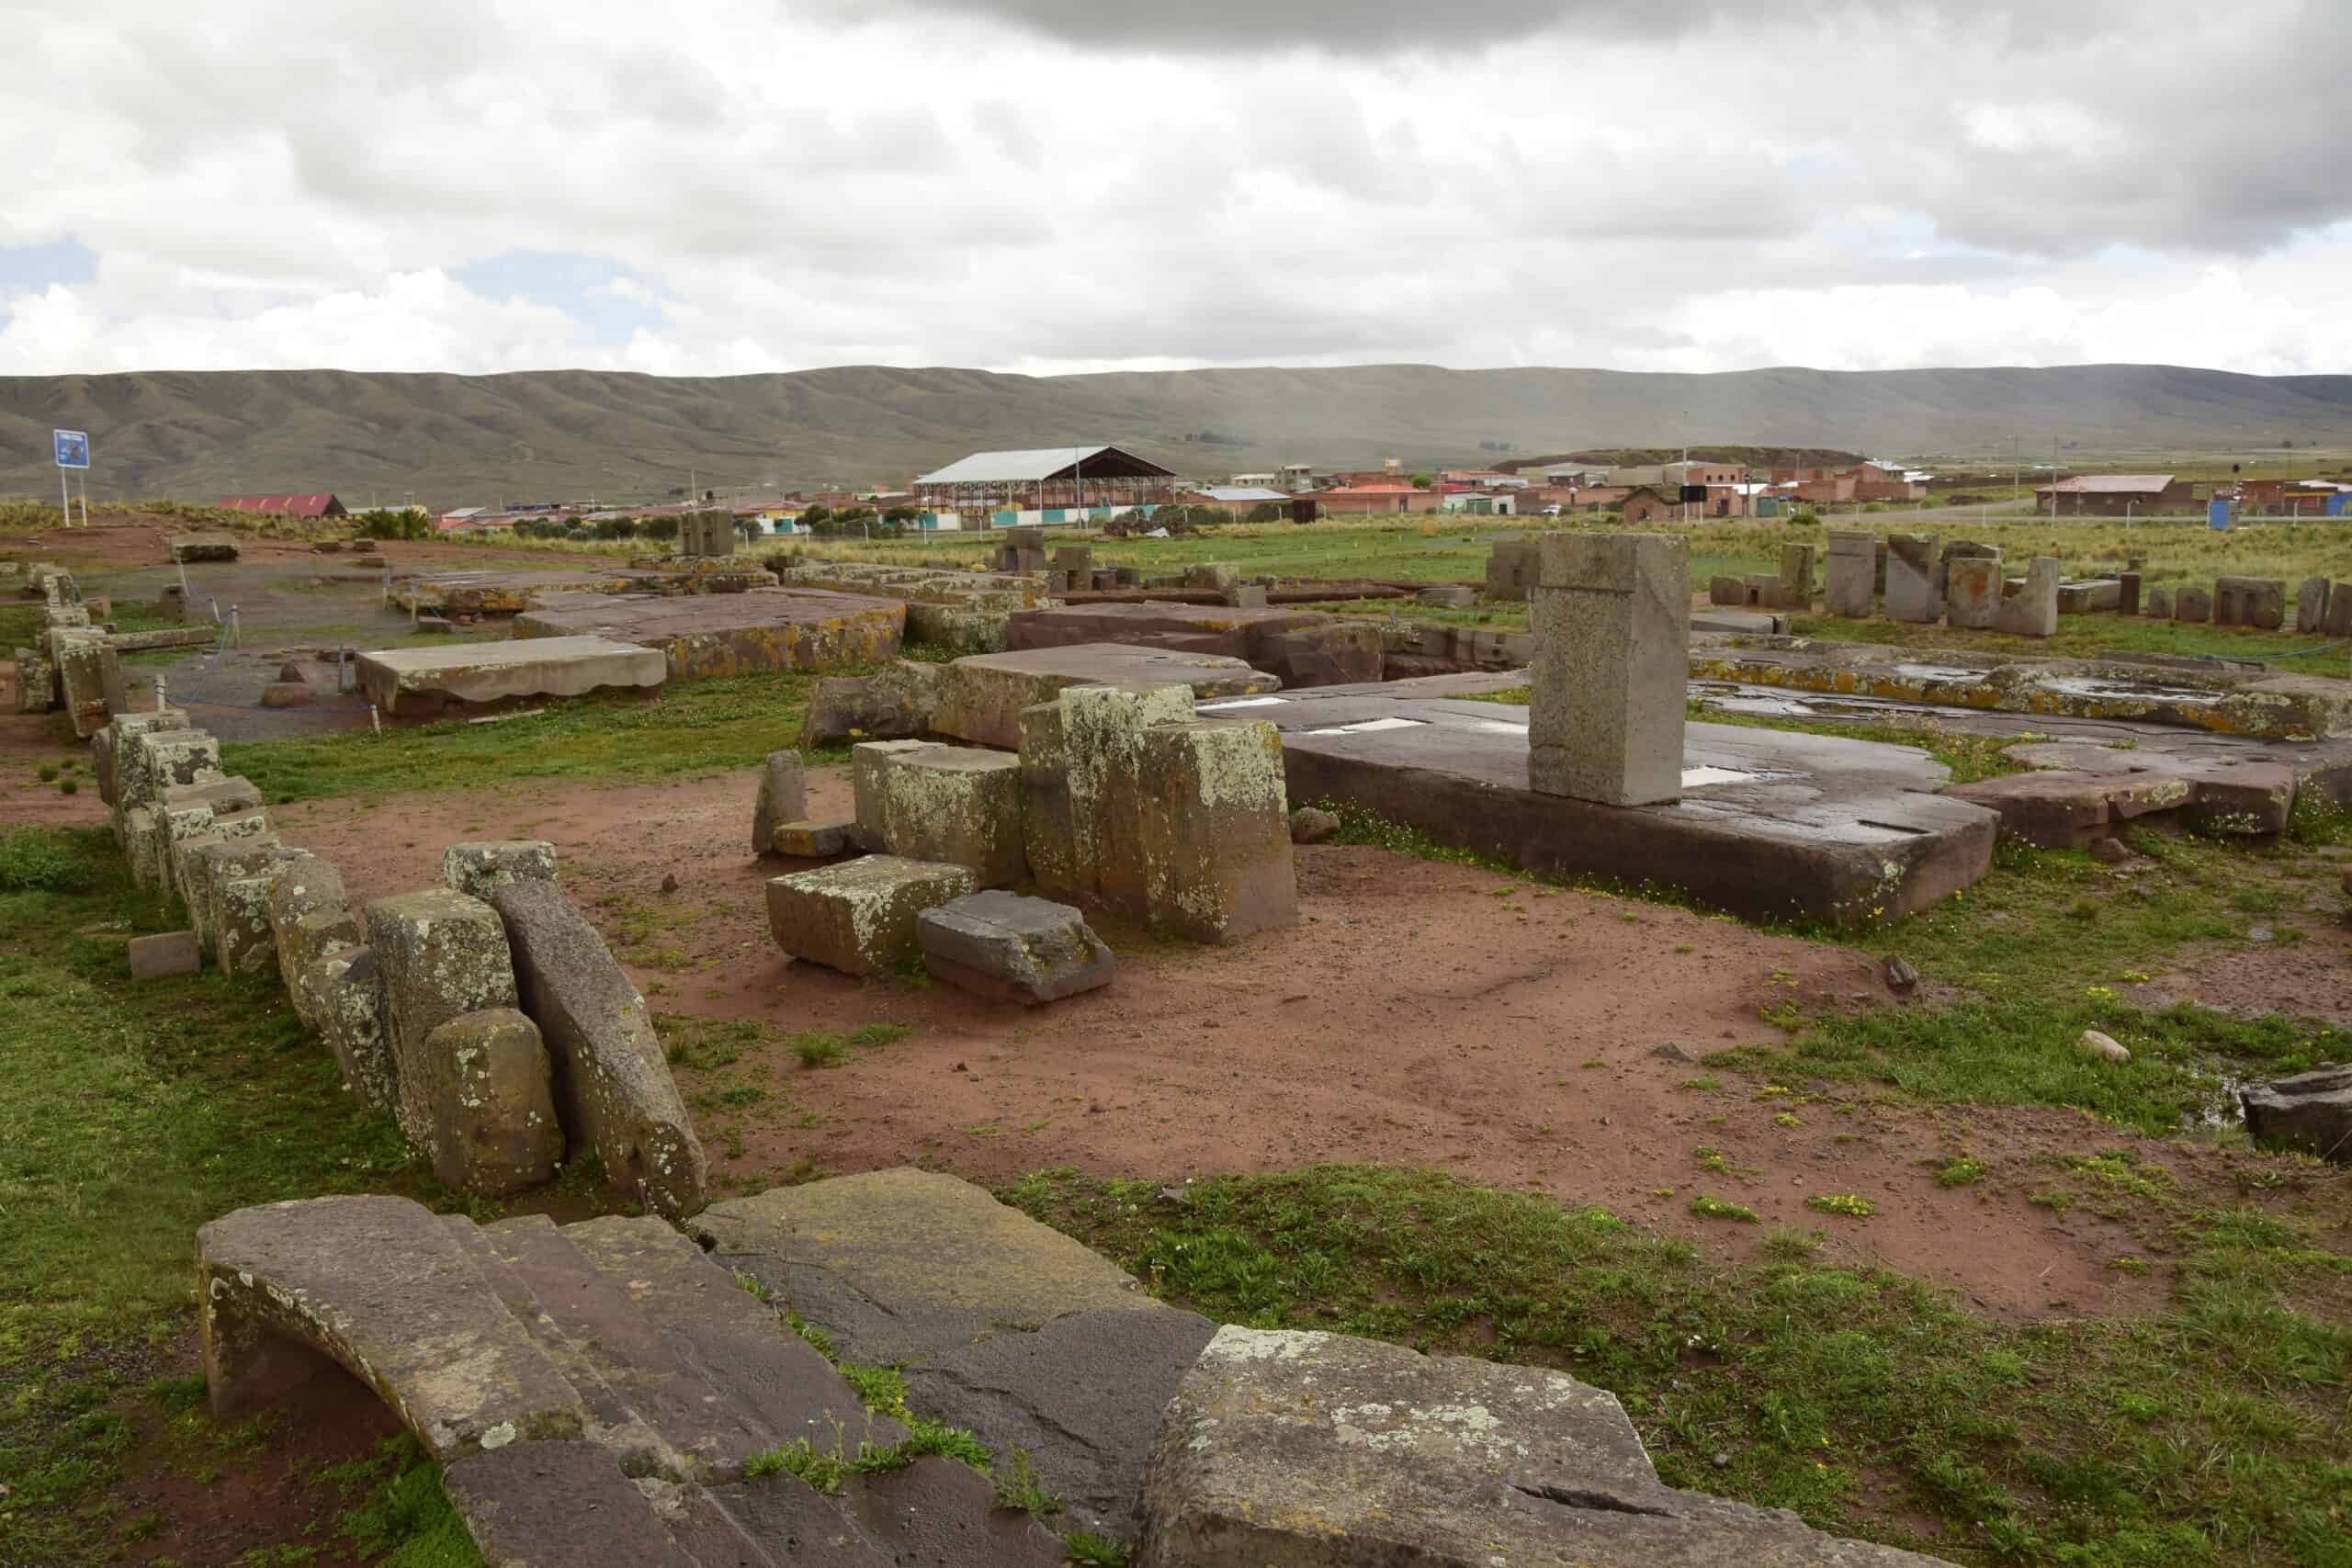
point(486, 1014)
point(617, 1392)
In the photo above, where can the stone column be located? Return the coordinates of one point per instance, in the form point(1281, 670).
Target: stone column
point(2310, 604)
point(1913, 568)
point(1853, 565)
point(1611, 670)
point(2127, 596)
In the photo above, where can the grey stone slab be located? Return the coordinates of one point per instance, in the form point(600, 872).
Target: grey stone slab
point(1013, 948)
point(859, 917)
point(2193, 604)
point(1612, 640)
point(440, 955)
point(902, 1266)
point(562, 1504)
point(492, 1103)
point(2310, 604)
point(169, 952)
point(2309, 1111)
point(1852, 574)
point(613, 1085)
point(1914, 578)
point(2032, 611)
point(956, 805)
point(479, 870)
point(407, 679)
point(1319, 1450)
point(1081, 1396)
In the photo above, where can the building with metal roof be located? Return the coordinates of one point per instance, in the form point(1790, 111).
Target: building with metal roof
point(1042, 478)
point(2115, 495)
point(321, 505)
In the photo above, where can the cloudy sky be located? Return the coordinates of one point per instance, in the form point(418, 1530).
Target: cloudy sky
point(1048, 185)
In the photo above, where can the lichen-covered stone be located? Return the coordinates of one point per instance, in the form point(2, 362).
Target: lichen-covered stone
point(89, 677)
point(954, 804)
point(894, 703)
point(1214, 831)
point(342, 995)
point(783, 797)
point(613, 1086)
point(1322, 1450)
point(441, 955)
point(478, 870)
point(1015, 949)
point(310, 918)
point(815, 840)
point(210, 860)
point(107, 748)
point(244, 938)
point(1082, 757)
point(493, 1096)
point(859, 917)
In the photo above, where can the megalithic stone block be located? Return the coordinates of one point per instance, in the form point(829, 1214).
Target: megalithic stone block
point(344, 992)
point(2310, 604)
point(1794, 589)
point(2193, 604)
point(311, 918)
point(1972, 591)
point(441, 955)
point(1081, 756)
point(613, 1086)
point(244, 940)
point(2127, 598)
point(1914, 578)
point(859, 917)
point(956, 803)
point(1612, 668)
point(2339, 610)
point(479, 870)
point(1214, 831)
point(208, 862)
point(2032, 611)
point(495, 1131)
point(1853, 569)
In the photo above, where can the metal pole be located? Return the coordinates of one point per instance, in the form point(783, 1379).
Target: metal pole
point(84, 487)
point(64, 497)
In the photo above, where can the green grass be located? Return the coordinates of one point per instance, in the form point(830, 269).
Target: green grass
point(2213, 1433)
point(133, 1114)
point(2094, 635)
point(695, 727)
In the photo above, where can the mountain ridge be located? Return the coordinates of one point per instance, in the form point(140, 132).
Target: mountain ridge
point(626, 436)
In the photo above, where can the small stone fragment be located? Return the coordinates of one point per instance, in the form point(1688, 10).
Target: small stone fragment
point(172, 952)
point(2105, 1046)
point(1016, 949)
point(1900, 977)
point(814, 839)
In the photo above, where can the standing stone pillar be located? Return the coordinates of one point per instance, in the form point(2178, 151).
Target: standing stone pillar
point(1794, 589)
point(2127, 595)
point(1972, 591)
point(2310, 604)
point(1913, 574)
point(2032, 611)
point(1611, 670)
point(1853, 567)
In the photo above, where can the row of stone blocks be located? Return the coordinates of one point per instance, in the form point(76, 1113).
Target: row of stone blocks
point(1120, 800)
point(611, 1393)
point(486, 1015)
point(74, 664)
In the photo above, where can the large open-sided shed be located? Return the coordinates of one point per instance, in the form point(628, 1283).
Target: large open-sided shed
point(1045, 480)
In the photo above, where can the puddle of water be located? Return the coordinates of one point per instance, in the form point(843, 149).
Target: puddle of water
point(1240, 702)
point(1366, 726)
point(1939, 673)
point(1692, 778)
point(2093, 687)
point(1497, 726)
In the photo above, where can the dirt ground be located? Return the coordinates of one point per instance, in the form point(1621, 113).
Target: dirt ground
point(1419, 1014)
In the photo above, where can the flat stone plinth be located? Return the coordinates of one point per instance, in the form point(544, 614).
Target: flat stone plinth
point(412, 680)
point(1304, 648)
point(761, 631)
point(981, 695)
point(1772, 823)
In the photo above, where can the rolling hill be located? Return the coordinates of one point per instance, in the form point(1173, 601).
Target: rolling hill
point(449, 440)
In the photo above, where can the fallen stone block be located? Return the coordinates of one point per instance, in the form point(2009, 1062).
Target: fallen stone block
point(859, 917)
point(89, 678)
point(381, 1288)
point(2159, 603)
point(612, 1083)
point(783, 797)
point(1012, 948)
point(2194, 605)
point(288, 695)
point(244, 937)
point(36, 682)
point(902, 1265)
point(110, 747)
point(2032, 610)
point(494, 1127)
point(952, 804)
point(159, 760)
point(2067, 810)
point(1286, 1447)
point(310, 918)
point(479, 870)
point(814, 839)
point(171, 952)
point(344, 993)
point(2309, 1111)
point(980, 698)
point(442, 954)
point(896, 703)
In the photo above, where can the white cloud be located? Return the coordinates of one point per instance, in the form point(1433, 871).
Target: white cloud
point(1044, 184)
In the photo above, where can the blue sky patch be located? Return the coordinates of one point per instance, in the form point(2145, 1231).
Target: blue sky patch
point(567, 281)
point(28, 269)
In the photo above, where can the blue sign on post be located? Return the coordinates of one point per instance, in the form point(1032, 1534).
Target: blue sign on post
point(2217, 515)
point(73, 448)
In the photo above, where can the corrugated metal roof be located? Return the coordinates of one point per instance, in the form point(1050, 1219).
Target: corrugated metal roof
point(282, 505)
point(1030, 466)
point(2113, 484)
point(1241, 492)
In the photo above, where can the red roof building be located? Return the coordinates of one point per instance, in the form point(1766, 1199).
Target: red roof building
point(287, 505)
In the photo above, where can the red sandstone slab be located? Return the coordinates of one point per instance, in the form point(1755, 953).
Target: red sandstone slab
point(763, 630)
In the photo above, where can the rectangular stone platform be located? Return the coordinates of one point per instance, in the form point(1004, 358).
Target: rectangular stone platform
point(757, 632)
point(1772, 824)
point(421, 681)
point(1304, 648)
point(981, 695)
